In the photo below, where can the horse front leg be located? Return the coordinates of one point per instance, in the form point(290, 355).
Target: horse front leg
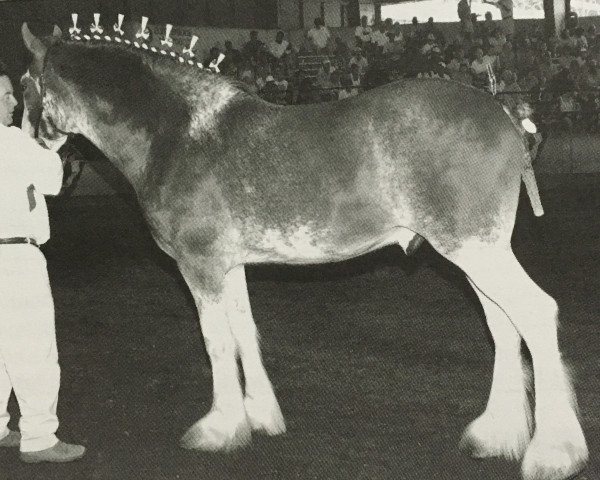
point(261, 404)
point(226, 426)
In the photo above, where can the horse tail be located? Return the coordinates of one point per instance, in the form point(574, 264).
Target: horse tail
point(520, 115)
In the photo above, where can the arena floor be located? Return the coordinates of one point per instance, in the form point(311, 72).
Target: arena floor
point(379, 363)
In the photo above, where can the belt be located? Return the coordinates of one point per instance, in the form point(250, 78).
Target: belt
point(17, 240)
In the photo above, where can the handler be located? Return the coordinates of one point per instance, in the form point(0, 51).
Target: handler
point(28, 354)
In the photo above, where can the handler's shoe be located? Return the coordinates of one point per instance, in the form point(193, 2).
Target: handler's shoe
point(13, 439)
point(59, 453)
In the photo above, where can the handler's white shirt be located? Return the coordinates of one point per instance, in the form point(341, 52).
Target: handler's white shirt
point(25, 165)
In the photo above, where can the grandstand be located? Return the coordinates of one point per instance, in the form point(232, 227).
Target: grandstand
point(557, 72)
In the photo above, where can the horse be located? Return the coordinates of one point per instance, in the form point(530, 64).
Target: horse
point(225, 180)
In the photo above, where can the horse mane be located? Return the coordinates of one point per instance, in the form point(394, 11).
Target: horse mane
point(147, 90)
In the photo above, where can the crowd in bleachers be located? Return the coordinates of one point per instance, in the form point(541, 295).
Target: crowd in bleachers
point(559, 74)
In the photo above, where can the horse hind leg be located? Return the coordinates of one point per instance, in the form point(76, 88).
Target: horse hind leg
point(260, 402)
point(226, 426)
point(558, 449)
point(504, 428)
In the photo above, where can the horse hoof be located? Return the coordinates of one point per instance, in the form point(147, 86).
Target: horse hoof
point(488, 437)
point(265, 415)
point(217, 432)
point(547, 461)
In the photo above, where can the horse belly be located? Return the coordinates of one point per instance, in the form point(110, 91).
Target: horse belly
point(308, 242)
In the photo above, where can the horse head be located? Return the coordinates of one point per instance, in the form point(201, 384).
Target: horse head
point(39, 117)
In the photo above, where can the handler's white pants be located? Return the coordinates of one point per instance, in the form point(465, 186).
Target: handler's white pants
point(28, 355)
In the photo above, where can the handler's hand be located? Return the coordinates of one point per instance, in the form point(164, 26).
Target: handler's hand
point(53, 145)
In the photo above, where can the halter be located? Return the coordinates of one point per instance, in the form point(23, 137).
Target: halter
point(42, 95)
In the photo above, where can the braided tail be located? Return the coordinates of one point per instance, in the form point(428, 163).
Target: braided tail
point(520, 117)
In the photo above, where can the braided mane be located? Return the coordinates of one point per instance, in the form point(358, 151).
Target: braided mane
point(147, 89)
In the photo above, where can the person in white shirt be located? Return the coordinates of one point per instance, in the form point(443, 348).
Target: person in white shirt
point(363, 32)
point(319, 36)
point(279, 46)
point(379, 38)
point(480, 64)
point(506, 11)
point(28, 354)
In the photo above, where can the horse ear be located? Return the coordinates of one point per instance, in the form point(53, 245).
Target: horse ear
point(33, 44)
point(57, 32)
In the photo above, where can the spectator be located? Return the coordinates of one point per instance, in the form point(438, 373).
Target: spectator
point(458, 59)
point(463, 75)
point(592, 38)
point(395, 44)
point(415, 35)
point(362, 33)
point(319, 37)
point(542, 50)
point(562, 82)
point(355, 77)
point(249, 82)
point(379, 39)
point(546, 67)
point(270, 92)
point(431, 28)
point(262, 76)
point(476, 23)
point(213, 55)
point(496, 41)
point(341, 50)
point(396, 33)
point(282, 86)
point(479, 67)
point(323, 79)
point(279, 47)
point(347, 91)
point(328, 78)
point(581, 42)
point(246, 70)
point(506, 11)
point(566, 44)
point(464, 15)
point(509, 84)
point(254, 48)
point(429, 45)
point(335, 79)
point(359, 59)
point(232, 57)
point(525, 60)
point(487, 28)
point(593, 74)
point(306, 92)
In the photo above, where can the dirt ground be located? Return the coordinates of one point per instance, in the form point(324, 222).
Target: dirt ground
point(379, 363)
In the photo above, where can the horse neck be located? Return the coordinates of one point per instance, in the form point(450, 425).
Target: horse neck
point(171, 106)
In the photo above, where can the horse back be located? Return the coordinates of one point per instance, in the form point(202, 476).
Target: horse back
point(434, 156)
